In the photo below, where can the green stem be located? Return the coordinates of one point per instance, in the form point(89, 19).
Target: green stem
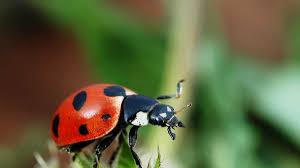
point(181, 56)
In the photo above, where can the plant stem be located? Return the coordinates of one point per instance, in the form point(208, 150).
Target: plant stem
point(181, 56)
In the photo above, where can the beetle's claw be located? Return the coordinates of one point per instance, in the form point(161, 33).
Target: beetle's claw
point(180, 124)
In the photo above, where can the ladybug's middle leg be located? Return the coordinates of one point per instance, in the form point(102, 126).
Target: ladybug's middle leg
point(102, 145)
point(132, 141)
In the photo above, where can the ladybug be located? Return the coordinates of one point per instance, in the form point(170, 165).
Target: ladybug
point(100, 112)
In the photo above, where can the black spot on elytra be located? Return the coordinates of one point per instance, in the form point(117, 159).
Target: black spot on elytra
point(79, 100)
point(106, 116)
point(55, 125)
point(113, 91)
point(83, 130)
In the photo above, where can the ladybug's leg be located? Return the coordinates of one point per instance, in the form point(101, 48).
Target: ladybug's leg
point(101, 146)
point(173, 96)
point(132, 142)
point(76, 148)
point(172, 135)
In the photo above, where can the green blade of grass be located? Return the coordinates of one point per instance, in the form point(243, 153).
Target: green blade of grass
point(158, 160)
point(83, 161)
point(125, 159)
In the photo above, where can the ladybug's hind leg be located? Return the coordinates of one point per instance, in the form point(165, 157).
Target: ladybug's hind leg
point(102, 145)
point(76, 148)
point(132, 142)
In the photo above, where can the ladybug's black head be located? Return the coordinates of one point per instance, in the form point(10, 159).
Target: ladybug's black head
point(164, 115)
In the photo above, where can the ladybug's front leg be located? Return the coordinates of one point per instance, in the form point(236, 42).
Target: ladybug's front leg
point(132, 142)
point(174, 96)
point(101, 146)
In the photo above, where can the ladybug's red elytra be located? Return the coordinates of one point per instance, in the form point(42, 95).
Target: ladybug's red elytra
point(100, 112)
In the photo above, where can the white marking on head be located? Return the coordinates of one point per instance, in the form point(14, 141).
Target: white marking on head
point(141, 119)
point(163, 115)
point(169, 109)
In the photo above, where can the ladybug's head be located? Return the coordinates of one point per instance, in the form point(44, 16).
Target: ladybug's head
point(165, 116)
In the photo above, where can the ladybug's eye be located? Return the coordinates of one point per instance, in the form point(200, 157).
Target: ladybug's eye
point(106, 117)
point(170, 109)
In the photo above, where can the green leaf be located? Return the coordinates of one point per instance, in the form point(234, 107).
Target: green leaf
point(83, 161)
point(226, 138)
point(158, 161)
point(278, 101)
point(118, 49)
point(293, 40)
point(125, 159)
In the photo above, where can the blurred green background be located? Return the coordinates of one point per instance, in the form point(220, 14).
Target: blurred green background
point(241, 60)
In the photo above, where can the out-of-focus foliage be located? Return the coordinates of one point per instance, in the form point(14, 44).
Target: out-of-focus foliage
point(32, 140)
point(293, 41)
point(225, 138)
point(247, 111)
point(119, 49)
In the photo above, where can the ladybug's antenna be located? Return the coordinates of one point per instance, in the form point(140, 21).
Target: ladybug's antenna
point(183, 108)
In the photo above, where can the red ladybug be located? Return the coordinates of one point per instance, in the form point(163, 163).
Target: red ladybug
point(101, 112)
